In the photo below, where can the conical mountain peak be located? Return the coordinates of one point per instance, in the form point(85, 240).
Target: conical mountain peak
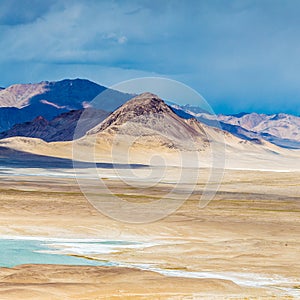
point(143, 105)
point(148, 102)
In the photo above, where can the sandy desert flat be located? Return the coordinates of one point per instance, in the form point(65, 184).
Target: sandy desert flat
point(243, 245)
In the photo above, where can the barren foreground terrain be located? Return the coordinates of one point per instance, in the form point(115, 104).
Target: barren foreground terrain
point(243, 245)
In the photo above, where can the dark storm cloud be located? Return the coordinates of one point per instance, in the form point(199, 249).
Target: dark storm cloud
point(241, 55)
point(16, 12)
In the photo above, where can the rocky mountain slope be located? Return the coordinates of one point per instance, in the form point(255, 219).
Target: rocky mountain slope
point(281, 125)
point(61, 128)
point(68, 94)
point(23, 102)
point(19, 95)
point(280, 129)
point(149, 118)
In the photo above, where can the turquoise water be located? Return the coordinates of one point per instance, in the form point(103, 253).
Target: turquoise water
point(16, 252)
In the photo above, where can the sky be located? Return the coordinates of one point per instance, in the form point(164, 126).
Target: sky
point(240, 55)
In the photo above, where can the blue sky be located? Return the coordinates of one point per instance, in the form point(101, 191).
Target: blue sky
point(240, 55)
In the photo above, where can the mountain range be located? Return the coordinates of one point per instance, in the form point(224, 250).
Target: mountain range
point(21, 103)
point(143, 131)
point(280, 129)
point(50, 111)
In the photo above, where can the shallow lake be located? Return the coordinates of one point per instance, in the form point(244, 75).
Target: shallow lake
point(15, 252)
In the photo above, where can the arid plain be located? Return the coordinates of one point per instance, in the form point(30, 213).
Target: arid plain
point(243, 245)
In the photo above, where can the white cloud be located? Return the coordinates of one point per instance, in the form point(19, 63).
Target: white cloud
point(122, 39)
